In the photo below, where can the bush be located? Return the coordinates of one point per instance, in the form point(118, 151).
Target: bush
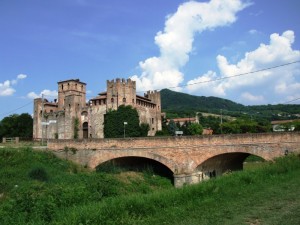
point(38, 173)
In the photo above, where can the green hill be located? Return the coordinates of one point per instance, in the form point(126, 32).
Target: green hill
point(172, 100)
point(185, 104)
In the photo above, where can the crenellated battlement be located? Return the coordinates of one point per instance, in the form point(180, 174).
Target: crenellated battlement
point(121, 81)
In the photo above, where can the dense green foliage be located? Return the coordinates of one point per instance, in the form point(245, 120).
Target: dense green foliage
point(73, 195)
point(178, 104)
point(195, 129)
point(177, 101)
point(187, 128)
point(114, 126)
point(211, 122)
point(16, 126)
point(244, 126)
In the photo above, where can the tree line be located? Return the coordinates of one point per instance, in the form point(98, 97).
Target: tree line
point(16, 126)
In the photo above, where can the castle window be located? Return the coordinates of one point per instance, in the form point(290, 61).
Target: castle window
point(124, 99)
point(152, 120)
point(51, 111)
point(68, 86)
point(62, 87)
point(112, 100)
point(82, 87)
point(76, 86)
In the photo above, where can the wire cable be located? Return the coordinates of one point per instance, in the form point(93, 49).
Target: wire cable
point(14, 110)
point(232, 76)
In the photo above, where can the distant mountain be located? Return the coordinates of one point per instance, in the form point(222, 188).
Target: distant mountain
point(173, 101)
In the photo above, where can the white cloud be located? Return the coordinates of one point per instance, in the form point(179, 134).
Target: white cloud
point(253, 98)
point(21, 76)
point(6, 88)
point(280, 81)
point(176, 40)
point(253, 31)
point(46, 93)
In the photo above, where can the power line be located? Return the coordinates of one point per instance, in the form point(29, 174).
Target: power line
point(14, 110)
point(291, 101)
point(233, 76)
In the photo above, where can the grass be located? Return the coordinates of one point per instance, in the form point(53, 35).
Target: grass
point(60, 192)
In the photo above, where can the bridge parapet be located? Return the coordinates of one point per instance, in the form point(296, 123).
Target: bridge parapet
point(159, 142)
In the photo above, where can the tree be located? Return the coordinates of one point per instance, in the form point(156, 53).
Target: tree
point(172, 128)
point(245, 126)
point(297, 126)
point(195, 129)
point(144, 127)
point(114, 123)
point(16, 126)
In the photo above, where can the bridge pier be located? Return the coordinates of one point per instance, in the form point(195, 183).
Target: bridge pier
point(186, 179)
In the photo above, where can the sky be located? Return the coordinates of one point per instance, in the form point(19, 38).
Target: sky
point(247, 51)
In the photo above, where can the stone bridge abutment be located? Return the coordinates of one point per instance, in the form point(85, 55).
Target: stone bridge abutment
point(191, 159)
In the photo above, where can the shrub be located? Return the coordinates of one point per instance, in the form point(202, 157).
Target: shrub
point(38, 173)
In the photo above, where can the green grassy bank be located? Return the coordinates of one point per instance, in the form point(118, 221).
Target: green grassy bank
point(38, 188)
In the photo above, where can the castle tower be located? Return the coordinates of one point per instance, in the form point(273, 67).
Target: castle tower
point(120, 92)
point(155, 97)
point(69, 88)
point(37, 118)
point(71, 99)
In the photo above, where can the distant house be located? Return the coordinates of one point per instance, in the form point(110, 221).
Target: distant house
point(182, 121)
point(283, 125)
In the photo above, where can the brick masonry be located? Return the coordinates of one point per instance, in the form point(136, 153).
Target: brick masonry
point(191, 159)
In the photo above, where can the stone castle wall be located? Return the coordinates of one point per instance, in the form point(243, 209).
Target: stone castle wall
point(71, 104)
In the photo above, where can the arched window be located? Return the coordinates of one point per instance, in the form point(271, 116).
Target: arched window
point(124, 99)
point(112, 100)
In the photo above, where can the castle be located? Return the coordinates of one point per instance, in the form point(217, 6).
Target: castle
point(58, 119)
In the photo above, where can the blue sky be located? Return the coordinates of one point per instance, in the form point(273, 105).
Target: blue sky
point(160, 44)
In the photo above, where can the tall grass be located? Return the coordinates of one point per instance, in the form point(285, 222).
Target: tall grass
point(74, 195)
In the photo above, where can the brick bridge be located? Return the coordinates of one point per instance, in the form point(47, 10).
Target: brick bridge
point(189, 159)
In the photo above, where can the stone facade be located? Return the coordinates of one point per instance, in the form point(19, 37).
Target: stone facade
point(58, 119)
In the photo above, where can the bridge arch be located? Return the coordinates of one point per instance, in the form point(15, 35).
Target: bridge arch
point(222, 163)
point(136, 164)
point(99, 159)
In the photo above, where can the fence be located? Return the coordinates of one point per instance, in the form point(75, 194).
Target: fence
point(11, 139)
